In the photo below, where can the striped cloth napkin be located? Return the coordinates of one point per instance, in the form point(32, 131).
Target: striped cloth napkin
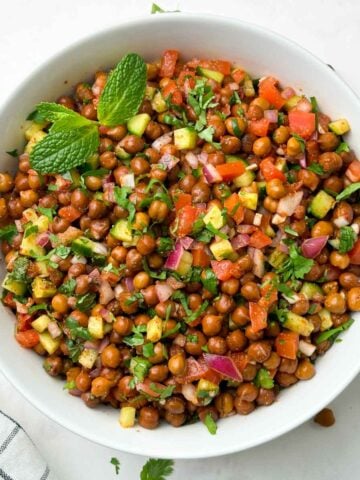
point(19, 458)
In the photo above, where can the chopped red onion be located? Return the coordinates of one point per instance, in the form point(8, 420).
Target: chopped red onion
point(312, 247)
point(106, 293)
point(19, 225)
point(302, 160)
point(211, 174)
point(92, 344)
point(174, 283)
point(306, 348)
point(186, 242)
point(100, 248)
point(180, 340)
point(107, 315)
point(246, 229)
point(21, 308)
point(161, 141)
point(109, 195)
point(78, 259)
point(341, 221)
point(189, 392)
point(258, 260)
point(163, 291)
point(233, 86)
point(118, 290)
point(129, 283)
point(288, 92)
point(169, 161)
point(43, 239)
point(271, 115)
point(72, 302)
point(103, 344)
point(203, 158)
point(223, 365)
point(94, 274)
point(173, 260)
point(278, 219)
point(192, 159)
point(75, 392)
point(304, 105)
point(54, 330)
point(283, 248)
point(257, 219)
point(95, 373)
point(315, 136)
point(127, 180)
point(240, 241)
point(288, 204)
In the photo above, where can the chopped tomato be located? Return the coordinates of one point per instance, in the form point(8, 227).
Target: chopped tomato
point(194, 371)
point(171, 89)
point(238, 75)
point(234, 209)
point(168, 63)
point(269, 171)
point(200, 256)
point(186, 76)
point(230, 170)
point(185, 219)
point(224, 269)
point(212, 376)
point(23, 322)
point(182, 200)
point(259, 240)
point(27, 339)
point(240, 359)
point(269, 91)
point(258, 316)
point(8, 300)
point(222, 66)
point(287, 345)
point(259, 127)
point(302, 123)
point(353, 171)
point(69, 213)
point(269, 294)
point(354, 254)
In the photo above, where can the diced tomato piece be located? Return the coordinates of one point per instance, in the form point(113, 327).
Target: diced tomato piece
point(200, 256)
point(27, 339)
point(269, 294)
point(186, 76)
point(354, 254)
point(238, 75)
point(258, 316)
point(69, 213)
point(234, 209)
point(269, 171)
point(222, 66)
point(185, 219)
point(353, 171)
point(212, 376)
point(168, 63)
point(169, 88)
point(302, 123)
point(145, 387)
point(269, 91)
point(230, 170)
point(287, 345)
point(194, 371)
point(182, 200)
point(23, 322)
point(259, 240)
point(8, 300)
point(259, 127)
point(176, 97)
point(224, 269)
point(240, 359)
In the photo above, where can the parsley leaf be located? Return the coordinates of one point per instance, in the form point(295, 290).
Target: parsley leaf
point(75, 348)
point(290, 231)
point(316, 168)
point(13, 153)
point(295, 266)
point(137, 337)
point(210, 424)
point(19, 272)
point(48, 212)
point(68, 287)
point(76, 331)
point(263, 379)
point(114, 461)
point(8, 233)
point(348, 191)
point(164, 392)
point(139, 367)
point(121, 194)
point(85, 302)
point(343, 147)
point(347, 239)
point(148, 350)
point(157, 469)
point(165, 245)
point(209, 281)
point(334, 332)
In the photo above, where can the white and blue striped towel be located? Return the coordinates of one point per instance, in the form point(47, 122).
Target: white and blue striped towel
point(19, 458)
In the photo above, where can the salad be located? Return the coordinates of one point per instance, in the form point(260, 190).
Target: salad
point(181, 239)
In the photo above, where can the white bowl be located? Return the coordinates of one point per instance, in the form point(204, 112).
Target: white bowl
point(261, 52)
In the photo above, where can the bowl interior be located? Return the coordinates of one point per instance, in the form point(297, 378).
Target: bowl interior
point(261, 53)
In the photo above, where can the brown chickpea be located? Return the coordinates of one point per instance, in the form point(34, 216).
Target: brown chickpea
point(265, 397)
point(325, 418)
point(160, 353)
point(126, 304)
point(175, 405)
point(3, 209)
point(240, 316)
point(6, 182)
point(59, 303)
point(148, 417)
point(201, 192)
point(106, 145)
point(211, 325)
point(224, 404)
point(330, 162)
point(108, 160)
point(328, 142)
point(247, 392)
point(216, 158)
point(133, 144)
point(230, 145)
point(150, 295)
point(80, 317)
point(96, 209)
point(236, 341)
point(334, 184)
point(89, 111)
point(349, 280)
point(177, 364)
point(146, 244)
point(139, 165)
point(262, 146)
point(231, 286)
point(305, 370)
point(301, 306)
point(134, 260)
point(339, 260)
point(158, 210)
point(124, 387)
point(82, 284)
point(187, 183)
point(288, 366)
point(141, 280)
point(259, 351)
point(218, 126)
point(64, 198)
point(123, 325)
point(243, 407)
point(194, 301)
point(335, 303)
point(217, 345)
point(66, 101)
point(24, 163)
point(250, 291)
point(285, 379)
point(249, 372)
point(293, 147)
point(28, 198)
point(119, 253)
point(153, 130)
point(275, 188)
point(175, 419)
point(53, 365)
point(100, 387)
point(117, 133)
point(111, 357)
point(158, 373)
point(142, 220)
point(308, 178)
point(235, 126)
point(322, 228)
point(247, 142)
point(83, 381)
point(353, 299)
point(254, 112)
point(273, 361)
point(245, 263)
point(281, 135)
point(99, 228)
point(93, 183)
point(83, 92)
point(155, 261)
point(224, 304)
point(270, 204)
point(252, 335)
point(343, 210)
point(79, 199)
point(193, 347)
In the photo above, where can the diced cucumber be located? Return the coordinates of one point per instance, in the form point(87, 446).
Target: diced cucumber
point(121, 153)
point(245, 179)
point(29, 215)
point(321, 204)
point(88, 358)
point(96, 326)
point(292, 102)
point(92, 162)
point(88, 248)
point(154, 329)
point(298, 324)
point(41, 323)
point(185, 263)
point(214, 217)
point(311, 290)
point(158, 103)
point(326, 320)
point(42, 223)
point(213, 74)
point(14, 286)
point(43, 288)
point(340, 127)
point(261, 186)
point(221, 249)
point(30, 248)
point(149, 92)
point(277, 258)
point(122, 231)
point(248, 199)
point(138, 123)
point(185, 138)
point(50, 344)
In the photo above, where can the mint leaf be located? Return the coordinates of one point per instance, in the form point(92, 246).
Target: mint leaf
point(8, 233)
point(13, 153)
point(354, 187)
point(123, 92)
point(157, 469)
point(59, 152)
point(63, 118)
point(347, 239)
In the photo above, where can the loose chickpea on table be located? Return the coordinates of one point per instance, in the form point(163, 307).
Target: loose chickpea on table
point(200, 259)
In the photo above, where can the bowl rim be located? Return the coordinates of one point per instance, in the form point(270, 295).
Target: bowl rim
point(152, 450)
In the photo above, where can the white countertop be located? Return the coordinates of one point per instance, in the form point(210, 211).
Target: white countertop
point(32, 31)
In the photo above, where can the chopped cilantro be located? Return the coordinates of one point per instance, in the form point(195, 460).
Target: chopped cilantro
point(290, 231)
point(76, 331)
point(86, 302)
point(139, 367)
point(157, 469)
point(137, 337)
point(300, 140)
point(295, 266)
point(114, 461)
point(348, 191)
point(347, 239)
point(210, 424)
point(209, 281)
point(334, 332)
point(121, 194)
point(148, 350)
point(164, 392)
point(68, 287)
point(8, 233)
point(263, 379)
point(48, 212)
point(316, 168)
point(343, 147)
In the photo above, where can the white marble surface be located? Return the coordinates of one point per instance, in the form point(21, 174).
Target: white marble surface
point(32, 31)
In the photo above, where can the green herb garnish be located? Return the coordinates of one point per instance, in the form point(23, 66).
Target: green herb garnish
point(76, 331)
point(86, 302)
point(343, 147)
point(263, 379)
point(316, 168)
point(68, 287)
point(347, 239)
point(300, 140)
point(137, 337)
point(8, 233)
point(114, 461)
point(157, 469)
point(209, 281)
point(348, 191)
point(334, 332)
point(295, 266)
point(210, 424)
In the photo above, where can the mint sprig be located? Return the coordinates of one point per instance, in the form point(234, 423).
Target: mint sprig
point(72, 138)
